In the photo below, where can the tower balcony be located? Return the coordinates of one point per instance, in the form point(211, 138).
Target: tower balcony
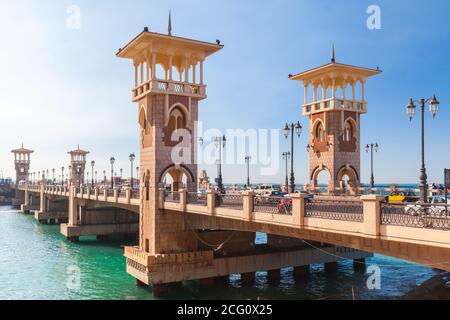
point(157, 86)
point(334, 104)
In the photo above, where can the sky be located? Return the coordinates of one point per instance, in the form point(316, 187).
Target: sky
point(60, 87)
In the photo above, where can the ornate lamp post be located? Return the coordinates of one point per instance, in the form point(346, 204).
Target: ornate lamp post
point(112, 161)
point(292, 129)
point(410, 111)
point(95, 176)
point(371, 148)
point(137, 175)
point(287, 157)
point(104, 177)
point(92, 170)
point(247, 161)
point(132, 157)
point(53, 175)
point(62, 176)
point(220, 142)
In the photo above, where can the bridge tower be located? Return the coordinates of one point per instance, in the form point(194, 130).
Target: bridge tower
point(168, 86)
point(338, 101)
point(77, 165)
point(22, 164)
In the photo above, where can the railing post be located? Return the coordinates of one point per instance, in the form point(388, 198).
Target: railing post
point(299, 209)
point(211, 201)
point(105, 194)
point(183, 200)
point(247, 201)
point(27, 196)
point(372, 214)
point(73, 207)
point(116, 194)
point(96, 193)
point(43, 200)
point(161, 197)
point(128, 194)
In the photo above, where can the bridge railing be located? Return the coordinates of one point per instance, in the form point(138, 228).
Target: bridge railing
point(272, 205)
point(233, 201)
point(431, 216)
point(343, 210)
point(196, 198)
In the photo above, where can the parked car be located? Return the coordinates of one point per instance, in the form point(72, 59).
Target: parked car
point(437, 206)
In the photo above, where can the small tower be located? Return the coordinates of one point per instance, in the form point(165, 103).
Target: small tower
point(334, 117)
point(167, 103)
point(77, 165)
point(22, 164)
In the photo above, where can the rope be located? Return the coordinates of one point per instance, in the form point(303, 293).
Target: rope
point(217, 247)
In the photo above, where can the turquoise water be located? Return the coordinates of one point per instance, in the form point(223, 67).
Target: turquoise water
point(36, 262)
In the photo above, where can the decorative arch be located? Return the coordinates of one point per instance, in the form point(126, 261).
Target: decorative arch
point(350, 130)
point(350, 171)
point(143, 122)
point(182, 168)
point(182, 108)
point(317, 170)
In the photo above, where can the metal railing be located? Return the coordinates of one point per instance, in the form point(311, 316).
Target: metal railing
point(351, 210)
point(172, 197)
point(135, 194)
point(273, 205)
point(233, 201)
point(196, 198)
point(432, 216)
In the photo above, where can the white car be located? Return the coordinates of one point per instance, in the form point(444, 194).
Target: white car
point(266, 189)
point(437, 206)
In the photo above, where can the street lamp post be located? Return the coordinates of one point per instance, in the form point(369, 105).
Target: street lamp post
point(104, 177)
point(92, 169)
point(62, 176)
point(220, 142)
point(53, 175)
point(112, 161)
point(96, 177)
point(371, 148)
point(247, 161)
point(410, 111)
point(137, 175)
point(287, 157)
point(292, 129)
point(132, 157)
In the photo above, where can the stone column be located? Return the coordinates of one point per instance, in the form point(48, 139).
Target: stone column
point(211, 201)
point(248, 199)
point(183, 199)
point(299, 208)
point(372, 214)
point(73, 206)
point(43, 200)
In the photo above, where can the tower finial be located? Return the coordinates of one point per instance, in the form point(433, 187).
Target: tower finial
point(333, 57)
point(170, 23)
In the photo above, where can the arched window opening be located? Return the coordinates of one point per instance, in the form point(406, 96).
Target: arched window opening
point(177, 120)
point(320, 134)
point(348, 132)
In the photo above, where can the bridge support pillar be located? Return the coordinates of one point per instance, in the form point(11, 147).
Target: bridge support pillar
point(207, 283)
point(274, 275)
point(331, 267)
point(359, 264)
point(160, 290)
point(248, 278)
point(300, 272)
